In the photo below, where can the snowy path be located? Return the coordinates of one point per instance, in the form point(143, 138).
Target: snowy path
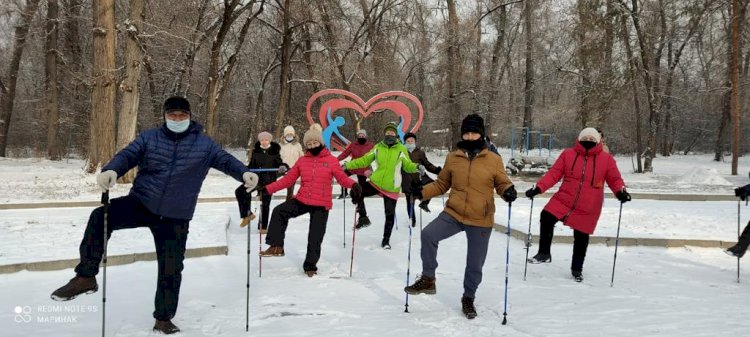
point(664, 292)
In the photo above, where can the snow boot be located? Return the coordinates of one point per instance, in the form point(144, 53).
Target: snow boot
point(273, 251)
point(740, 248)
point(385, 244)
point(363, 222)
point(424, 206)
point(311, 273)
point(424, 285)
point(246, 220)
point(540, 258)
point(165, 327)
point(76, 286)
point(467, 306)
point(577, 275)
point(735, 251)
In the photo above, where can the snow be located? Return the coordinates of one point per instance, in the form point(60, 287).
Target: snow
point(685, 291)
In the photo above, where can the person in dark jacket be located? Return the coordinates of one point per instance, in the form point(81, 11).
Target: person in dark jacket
point(172, 161)
point(356, 150)
point(739, 249)
point(266, 154)
point(473, 175)
point(584, 169)
point(315, 171)
point(417, 156)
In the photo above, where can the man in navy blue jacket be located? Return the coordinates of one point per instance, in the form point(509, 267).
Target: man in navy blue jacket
point(172, 161)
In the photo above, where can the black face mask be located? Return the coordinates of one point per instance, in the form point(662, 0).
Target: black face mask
point(389, 140)
point(361, 141)
point(472, 145)
point(316, 150)
point(587, 144)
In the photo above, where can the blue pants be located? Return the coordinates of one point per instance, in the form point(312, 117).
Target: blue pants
point(170, 237)
point(478, 238)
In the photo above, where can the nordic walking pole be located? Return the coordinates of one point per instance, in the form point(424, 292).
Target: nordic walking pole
point(343, 221)
point(105, 203)
point(408, 255)
point(528, 241)
point(354, 236)
point(738, 235)
point(247, 284)
point(507, 261)
point(617, 243)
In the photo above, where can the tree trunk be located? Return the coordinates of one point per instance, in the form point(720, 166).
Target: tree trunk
point(735, 80)
point(8, 88)
point(212, 115)
point(453, 71)
point(52, 103)
point(528, 106)
point(102, 138)
point(633, 67)
point(130, 85)
point(284, 87)
point(494, 80)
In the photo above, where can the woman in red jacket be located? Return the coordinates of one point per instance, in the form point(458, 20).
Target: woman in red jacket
point(316, 169)
point(583, 169)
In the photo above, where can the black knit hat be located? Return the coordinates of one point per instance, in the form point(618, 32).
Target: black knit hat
point(473, 123)
point(176, 103)
point(410, 135)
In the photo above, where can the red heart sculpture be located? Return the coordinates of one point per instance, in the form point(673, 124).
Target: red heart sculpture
point(354, 102)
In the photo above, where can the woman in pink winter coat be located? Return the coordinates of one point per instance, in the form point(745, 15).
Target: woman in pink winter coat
point(583, 169)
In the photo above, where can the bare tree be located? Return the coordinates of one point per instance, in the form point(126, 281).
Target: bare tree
point(102, 138)
point(52, 103)
point(8, 84)
point(735, 79)
point(528, 106)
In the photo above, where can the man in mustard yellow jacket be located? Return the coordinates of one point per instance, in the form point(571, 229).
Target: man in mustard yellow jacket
point(472, 174)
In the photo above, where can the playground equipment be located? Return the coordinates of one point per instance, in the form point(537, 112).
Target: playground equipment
point(525, 164)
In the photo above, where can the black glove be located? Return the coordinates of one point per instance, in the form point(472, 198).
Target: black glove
point(260, 188)
point(439, 168)
point(532, 192)
point(623, 196)
point(510, 194)
point(356, 193)
point(416, 191)
point(742, 192)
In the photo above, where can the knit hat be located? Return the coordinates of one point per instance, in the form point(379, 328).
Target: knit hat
point(289, 130)
point(265, 135)
point(176, 103)
point(314, 133)
point(391, 126)
point(410, 135)
point(473, 123)
point(590, 132)
point(362, 132)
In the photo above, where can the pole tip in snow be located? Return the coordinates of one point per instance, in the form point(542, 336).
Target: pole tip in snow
point(505, 319)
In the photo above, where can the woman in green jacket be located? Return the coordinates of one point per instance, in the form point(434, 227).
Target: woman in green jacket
point(391, 157)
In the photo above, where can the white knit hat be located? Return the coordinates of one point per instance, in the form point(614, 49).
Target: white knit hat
point(265, 135)
point(362, 132)
point(590, 132)
point(314, 133)
point(289, 130)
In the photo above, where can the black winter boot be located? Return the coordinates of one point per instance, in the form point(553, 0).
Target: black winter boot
point(165, 327)
point(540, 258)
point(577, 275)
point(740, 248)
point(467, 306)
point(76, 286)
point(363, 222)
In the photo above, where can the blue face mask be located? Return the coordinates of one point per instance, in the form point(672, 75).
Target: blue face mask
point(178, 127)
point(411, 147)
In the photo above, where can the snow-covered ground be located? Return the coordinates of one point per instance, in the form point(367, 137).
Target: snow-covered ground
point(657, 292)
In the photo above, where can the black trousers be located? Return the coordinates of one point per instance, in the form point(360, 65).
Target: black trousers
point(390, 208)
point(170, 237)
point(292, 209)
point(265, 205)
point(580, 240)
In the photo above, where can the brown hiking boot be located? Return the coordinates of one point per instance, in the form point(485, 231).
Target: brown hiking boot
point(424, 285)
point(165, 327)
point(467, 306)
point(263, 231)
point(311, 273)
point(273, 251)
point(76, 286)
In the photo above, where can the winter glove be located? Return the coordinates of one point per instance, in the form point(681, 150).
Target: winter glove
point(510, 194)
point(283, 169)
point(742, 192)
point(416, 189)
point(532, 192)
point(356, 193)
point(251, 181)
point(439, 169)
point(422, 170)
point(107, 180)
point(623, 196)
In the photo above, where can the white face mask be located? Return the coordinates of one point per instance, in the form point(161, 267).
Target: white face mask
point(289, 139)
point(178, 127)
point(411, 147)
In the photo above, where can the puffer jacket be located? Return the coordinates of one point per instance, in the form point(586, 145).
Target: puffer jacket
point(471, 182)
point(417, 157)
point(266, 159)
point(172, 167)
point(391, 160)
point(578, 202)
point(316, 172)
point(356, 150)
